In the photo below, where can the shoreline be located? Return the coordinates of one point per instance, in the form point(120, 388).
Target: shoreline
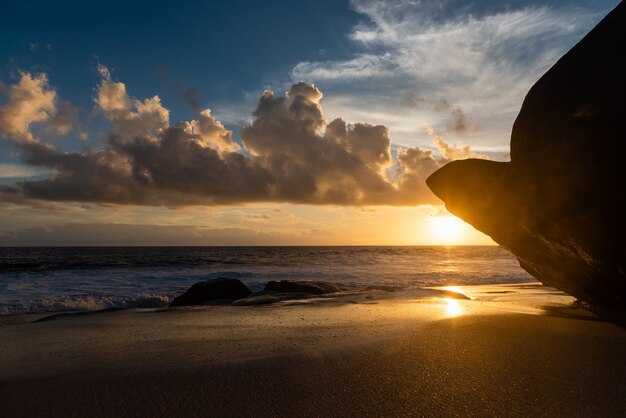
point(323, 356)
point(153, 301)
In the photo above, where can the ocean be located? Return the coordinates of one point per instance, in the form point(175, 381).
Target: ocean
point(87, 278)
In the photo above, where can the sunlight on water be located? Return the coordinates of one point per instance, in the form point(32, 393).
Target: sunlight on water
point(453, 308)
point(456, 289)
point(449, 267)
point(92, 278)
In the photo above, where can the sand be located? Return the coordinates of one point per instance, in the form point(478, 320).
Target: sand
point(513, 350)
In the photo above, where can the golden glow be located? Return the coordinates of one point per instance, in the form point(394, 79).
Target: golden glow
point(456, 289)
point(263, 224)
point(453, 308)
point(446, 229)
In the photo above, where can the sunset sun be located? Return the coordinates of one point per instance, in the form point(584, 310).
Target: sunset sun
point(446, 229)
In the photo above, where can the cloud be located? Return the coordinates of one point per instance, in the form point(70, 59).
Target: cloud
point(459, 122)
point(212, 133)
point(18, 170)
point(456, 66)
point(411, 99)
point(64, 119)
point(192, 97)
point(130, 117)
point(450, 152)
point(29, 101)
point(420, 40)
point(189, 95)
point(289, 153)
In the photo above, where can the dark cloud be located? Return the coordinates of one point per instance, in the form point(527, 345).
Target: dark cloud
point(459, 123)
point(192, 98)
point(63, 120)
point(414, 100)
point(290, 154)
point(189, 95)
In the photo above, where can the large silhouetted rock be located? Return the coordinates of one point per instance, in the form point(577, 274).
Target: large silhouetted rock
point(560, 204)
point(210, 290)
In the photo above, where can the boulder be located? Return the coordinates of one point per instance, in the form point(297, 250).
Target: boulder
point(559, 204)
point(311, 287)
point(210, 290)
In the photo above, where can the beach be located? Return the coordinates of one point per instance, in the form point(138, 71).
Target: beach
point(491, 350)
point(339, 209)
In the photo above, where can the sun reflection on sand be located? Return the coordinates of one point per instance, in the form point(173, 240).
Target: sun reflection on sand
point(453, 308)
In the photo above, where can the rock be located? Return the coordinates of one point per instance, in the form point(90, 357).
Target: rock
point(559, 205)
point(311, 287)
point(212, 290)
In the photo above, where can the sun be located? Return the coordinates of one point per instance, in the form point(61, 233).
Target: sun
point(446, 229)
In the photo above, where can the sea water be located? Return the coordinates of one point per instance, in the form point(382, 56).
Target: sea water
point(88, 278)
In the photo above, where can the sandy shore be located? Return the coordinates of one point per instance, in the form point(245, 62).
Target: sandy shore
point(513, 350)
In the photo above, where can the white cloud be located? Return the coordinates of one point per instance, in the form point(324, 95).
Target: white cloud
point(481, 64)
point(130, 117)
point(451, 152)
point(29, 101)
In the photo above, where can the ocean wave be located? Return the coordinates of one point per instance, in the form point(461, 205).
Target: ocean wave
point(87, 303)
point(36, 280)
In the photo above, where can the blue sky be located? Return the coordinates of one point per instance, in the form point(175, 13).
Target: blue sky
point(227, 51)
point(415, 85)
point(224, 49)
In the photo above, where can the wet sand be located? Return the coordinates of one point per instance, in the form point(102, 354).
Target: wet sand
point(514, 350)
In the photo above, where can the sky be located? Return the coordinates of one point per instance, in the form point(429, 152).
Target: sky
point(243, 123)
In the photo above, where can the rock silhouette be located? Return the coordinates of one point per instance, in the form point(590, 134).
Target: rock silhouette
point(210, 290)
point(560, 204)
